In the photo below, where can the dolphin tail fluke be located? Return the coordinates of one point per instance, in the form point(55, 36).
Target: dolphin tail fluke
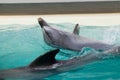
point(42, 22)
point(76, 29)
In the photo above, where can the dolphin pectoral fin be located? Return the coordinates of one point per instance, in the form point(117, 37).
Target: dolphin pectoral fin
point(76, 29)
point(45, 59)
point(42, 22)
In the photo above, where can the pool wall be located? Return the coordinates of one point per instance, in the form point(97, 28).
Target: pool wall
point(78, 7)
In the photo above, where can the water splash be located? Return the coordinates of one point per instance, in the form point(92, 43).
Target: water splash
point(112, 35)
point(27, 43)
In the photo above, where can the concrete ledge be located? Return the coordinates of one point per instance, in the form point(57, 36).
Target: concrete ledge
point(60, 8)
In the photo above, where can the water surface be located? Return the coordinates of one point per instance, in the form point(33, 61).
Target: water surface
point(20, 44)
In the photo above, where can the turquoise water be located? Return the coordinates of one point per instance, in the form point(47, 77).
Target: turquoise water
point(20, 44)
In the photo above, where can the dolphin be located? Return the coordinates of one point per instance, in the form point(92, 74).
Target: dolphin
point(71, 41)
point(41, 67)
point(46, 65)
point(76, 29)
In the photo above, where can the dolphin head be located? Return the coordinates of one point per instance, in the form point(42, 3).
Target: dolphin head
point(51, 35)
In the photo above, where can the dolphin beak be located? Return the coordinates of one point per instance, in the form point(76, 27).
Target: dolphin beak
point(42, 22)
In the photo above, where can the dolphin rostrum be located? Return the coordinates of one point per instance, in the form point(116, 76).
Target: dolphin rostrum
point(66, 40)
point(46, 65)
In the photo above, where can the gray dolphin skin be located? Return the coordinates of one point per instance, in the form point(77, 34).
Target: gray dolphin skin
point(66, 40)
point(41, 67)
point(76, 29)
point(46, 65)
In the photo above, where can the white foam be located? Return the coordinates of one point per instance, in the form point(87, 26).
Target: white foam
point(111, 35)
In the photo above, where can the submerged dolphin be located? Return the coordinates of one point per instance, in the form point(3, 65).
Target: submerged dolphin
point(72, 41)
point(46, 65)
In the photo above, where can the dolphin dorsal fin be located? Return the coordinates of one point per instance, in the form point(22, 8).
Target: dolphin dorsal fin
point(46, 59)
point(42, 22)
point(76, 29)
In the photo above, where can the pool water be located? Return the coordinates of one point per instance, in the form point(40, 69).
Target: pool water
point(21, 44)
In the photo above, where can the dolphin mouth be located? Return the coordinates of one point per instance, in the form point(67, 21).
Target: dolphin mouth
point(46, 33)
point(47, 37)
